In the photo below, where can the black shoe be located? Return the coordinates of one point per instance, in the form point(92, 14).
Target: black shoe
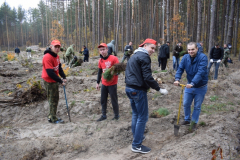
point(115, 118)
point(141, 149)
point(185, 123)
point(101, 118)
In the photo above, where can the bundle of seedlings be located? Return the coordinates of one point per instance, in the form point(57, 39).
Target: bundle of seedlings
point(182, 53)
point(114, 70)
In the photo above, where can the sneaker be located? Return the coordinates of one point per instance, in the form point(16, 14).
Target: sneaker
point(141, 149)
point(185, 123)
point(58, 121)
point(115, 118)
point(101, 118)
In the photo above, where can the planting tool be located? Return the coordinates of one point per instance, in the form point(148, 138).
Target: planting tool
point(176, 126)
point(67, 104)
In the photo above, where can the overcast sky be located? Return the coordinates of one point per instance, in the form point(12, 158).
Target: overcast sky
point(26, 4)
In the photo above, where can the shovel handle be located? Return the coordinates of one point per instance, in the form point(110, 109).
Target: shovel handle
point(180, 103)
point(67, 104)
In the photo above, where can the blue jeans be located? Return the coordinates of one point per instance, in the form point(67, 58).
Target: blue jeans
point(139, 104)
point(196, 94)
point(175, 60)
point(216, 67)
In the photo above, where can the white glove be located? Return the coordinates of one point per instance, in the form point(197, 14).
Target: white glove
point(128, 49)
point(163, 91)
point(211, 60)
point(218, 61)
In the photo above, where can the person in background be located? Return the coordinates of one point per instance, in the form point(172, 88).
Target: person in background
point(75, 62)
point(216, 56)
point(164, 55)
point(128, 50)
point(17, 51)
point(50, 71)
point(176, 56)
point(200, 47)
point(107, 61)
point(29, 50)
point(226, 56)
point(70, 53)
point(138, 79)
point(85, 53)
point(195, 64)
point(111, 48)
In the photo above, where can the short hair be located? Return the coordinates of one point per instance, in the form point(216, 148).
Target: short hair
point(84, 46)
point(168, 42)
point(180, 42)
point(193, 43)
point(216, 44)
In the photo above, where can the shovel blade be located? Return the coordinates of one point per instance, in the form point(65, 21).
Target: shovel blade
point(176, 129)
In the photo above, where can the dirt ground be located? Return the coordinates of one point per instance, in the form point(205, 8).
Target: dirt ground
point(26, 134)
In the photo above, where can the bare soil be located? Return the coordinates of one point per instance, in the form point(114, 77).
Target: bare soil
point(26, 134)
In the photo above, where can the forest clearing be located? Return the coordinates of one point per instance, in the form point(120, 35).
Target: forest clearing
point(26, 134)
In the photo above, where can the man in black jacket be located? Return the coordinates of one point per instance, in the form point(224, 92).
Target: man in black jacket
point(128, 50)
point(17, 51)
point(164, 55)
point(176, 56)
point(138, 79)
point(85, 53)
point(216, 56)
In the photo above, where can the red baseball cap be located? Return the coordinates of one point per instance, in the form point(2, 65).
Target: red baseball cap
point(148, 40)
point(56, 43)
point(102, 45)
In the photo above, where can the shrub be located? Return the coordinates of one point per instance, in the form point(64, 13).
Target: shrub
point(161, 112)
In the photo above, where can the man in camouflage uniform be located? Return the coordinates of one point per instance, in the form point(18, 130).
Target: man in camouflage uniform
point(70, 53)
point(29, 50)
point(76, 62)
point(226, 55)
point(51, 69)
point(63, 49)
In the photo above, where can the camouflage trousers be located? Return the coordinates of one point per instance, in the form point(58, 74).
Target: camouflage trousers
point(53, 97)
point(68, 58)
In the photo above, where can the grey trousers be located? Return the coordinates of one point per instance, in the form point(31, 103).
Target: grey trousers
point(112, 90)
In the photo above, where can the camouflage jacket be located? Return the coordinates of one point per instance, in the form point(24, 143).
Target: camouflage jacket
point(226, 53)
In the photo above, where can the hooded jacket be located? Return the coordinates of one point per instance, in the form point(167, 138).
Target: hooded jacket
point(196, 70)
point(216, 53)
point(111, 47)
point(164, 51)
point(138, 74)
point(70, 51)
point(177, 51)
point(200, 48)
point(86, 52)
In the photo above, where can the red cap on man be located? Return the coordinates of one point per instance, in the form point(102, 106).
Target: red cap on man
point(56, 43)
point(148, 40)
point(102, 45)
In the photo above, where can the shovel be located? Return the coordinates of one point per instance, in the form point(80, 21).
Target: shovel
point(176, 126)
point(67, 104)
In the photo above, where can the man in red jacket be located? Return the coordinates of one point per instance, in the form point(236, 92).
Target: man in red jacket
point(51, 69)
point(107, 61)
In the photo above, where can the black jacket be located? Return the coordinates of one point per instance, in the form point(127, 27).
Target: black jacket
point(17, 50)
point(164, 51)
point(86, 52)
point(138, 74)
point(177, 50)
point(216, 53)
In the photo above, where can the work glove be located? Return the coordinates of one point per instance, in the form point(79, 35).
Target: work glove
point(128, 49)
point(218, 61)
point(211, 60)
point(163, 91)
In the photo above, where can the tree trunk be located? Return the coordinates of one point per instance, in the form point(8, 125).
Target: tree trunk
point(132, 24)
point(168, 21)
point(236, 31)
point(208, 25)
point(226, 22)
point(85, 23)
point(211, 38)
point(199, 20)
point(163, 19)
point(46, 23)
point(103, 20)
point(98, 27)
point(7, 32)
point(203, 21)
point(117, 27)
point(93, 24)
point(127, 20)
point(222, 21)
point(230, 23)
point(122, 25)
point(189, 18)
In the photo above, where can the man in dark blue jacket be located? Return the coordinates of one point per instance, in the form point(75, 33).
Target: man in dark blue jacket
point(195, 64)
point(128, 50)
point(86, 54)
point(17, 51)
point(200, 47)
point(164, 55)
point(216, 56)
point(138, 79)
